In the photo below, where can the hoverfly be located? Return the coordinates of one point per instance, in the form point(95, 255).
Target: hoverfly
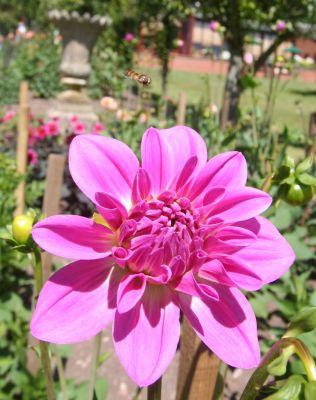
point(143, 79)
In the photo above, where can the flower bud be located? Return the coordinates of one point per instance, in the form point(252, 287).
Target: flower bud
point(296, 194)
point(21, 228)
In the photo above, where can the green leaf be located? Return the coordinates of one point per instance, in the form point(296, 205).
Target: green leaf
point(306, 179)
point(101, 389)
point(310, 391)
point(303, 322)
point(291, 389)
point(301, 250)
point(248, 81)
point(309, 339)
point(290, 180)
point(282, 218)
point(259, 304)
point(304, 165)
point(289, 161)
point(278, 366)
point(103, 357)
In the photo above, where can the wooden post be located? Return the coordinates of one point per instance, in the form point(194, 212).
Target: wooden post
point(181, 109)
point(311, 150)
point(22, 144)
point(54, 180)
point(198, 367)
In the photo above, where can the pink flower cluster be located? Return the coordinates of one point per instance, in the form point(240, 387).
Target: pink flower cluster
point(78, 127)
point(40, 130)
point(214, 26)
point(32, 157)
point(280, 26)
point(129, 37)
point(178, 233)
point(7, 116)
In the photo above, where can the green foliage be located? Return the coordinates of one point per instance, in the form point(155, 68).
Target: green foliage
point(12, 11)
point(9, 180)
point(291, 389)
point(35, 60)
point(81, 6)
point(108, 69)
point(38, 61)
point(15, 295)
point(304, 321)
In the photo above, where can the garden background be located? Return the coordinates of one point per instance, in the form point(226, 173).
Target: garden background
point(241, 73)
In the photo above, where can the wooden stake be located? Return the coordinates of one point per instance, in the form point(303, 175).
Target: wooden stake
point(54, 180)
point(51, 202)
point(311, 150)
point(154, 390)
point(22, 144)
point(181, 109)
point(198, 367)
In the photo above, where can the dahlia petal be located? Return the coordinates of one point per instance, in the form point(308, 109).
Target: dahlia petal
point(141, 186)
point(214, 271)
point(186, 143)
point(76, 303)
point(130, 291)
point(188, 285)
point(111, 209)
point(241, 273)
point(241, 204)
point(162, 275)
point(227, 170)
point(271, 255)
point(228, 327)
point(74, 237)
point(184, 178)
point(228, 240)
point(147, 336)
point(157, 159)
point(101, 164)
point(236, 236)
point(166, 151)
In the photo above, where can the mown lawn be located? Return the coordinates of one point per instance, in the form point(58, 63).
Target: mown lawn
point(294, 103)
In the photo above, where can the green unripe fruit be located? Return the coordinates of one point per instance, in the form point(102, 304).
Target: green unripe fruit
point(296, 194)
point(21, 228)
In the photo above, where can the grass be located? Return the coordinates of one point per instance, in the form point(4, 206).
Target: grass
point(294, 103)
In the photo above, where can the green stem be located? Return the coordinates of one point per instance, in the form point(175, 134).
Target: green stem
point(45, 359)
point(305, 356)
point(261, 374)
point(61, 373)
point(94, 364)
point(154, 390)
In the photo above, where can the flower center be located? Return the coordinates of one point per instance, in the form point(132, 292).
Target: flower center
point(161, 231)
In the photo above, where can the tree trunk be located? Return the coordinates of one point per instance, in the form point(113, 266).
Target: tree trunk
point(233, 90)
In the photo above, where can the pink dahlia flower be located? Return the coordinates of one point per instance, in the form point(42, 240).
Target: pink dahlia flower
point(248, 58)
point(78, 128)
point(32, 156)
point(179, 233)
point(53, 127)
point(214, 26)
point(129, 37)
point(98, 128)
point(41, 132)
point(280, 26)
point(8, 116)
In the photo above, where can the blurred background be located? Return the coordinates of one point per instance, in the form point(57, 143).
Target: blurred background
point(241, 73)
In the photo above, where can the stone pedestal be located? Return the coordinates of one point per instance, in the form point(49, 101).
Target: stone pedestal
point(79, 35)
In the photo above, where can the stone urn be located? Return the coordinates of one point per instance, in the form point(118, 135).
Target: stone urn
point(79, 35)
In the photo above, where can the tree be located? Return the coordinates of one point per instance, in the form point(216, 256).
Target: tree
point(166, 16)
point(238, 17)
